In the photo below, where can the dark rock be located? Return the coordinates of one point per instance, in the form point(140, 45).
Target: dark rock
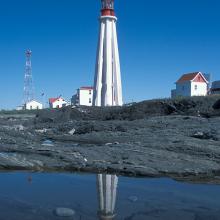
point(204, 135)
point(187, 106)
point(133, 198)
point(121, 128)
point(216, 106)
point(171, 109)
point(84, 129)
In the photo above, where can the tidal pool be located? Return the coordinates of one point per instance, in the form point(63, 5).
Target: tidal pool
point(37, 196)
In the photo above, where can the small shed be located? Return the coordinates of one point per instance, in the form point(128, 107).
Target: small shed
point(57, 102)
point(191, 84)
point(33, 105)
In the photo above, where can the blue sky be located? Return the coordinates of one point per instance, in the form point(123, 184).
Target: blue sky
point(159, 40)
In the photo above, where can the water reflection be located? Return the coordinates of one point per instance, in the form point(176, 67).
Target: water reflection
point(107, 193)
point(36, 196)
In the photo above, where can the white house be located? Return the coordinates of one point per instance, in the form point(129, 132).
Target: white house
point(33, 105)
point(191, 84)
point(84, 96)
point(57, 102)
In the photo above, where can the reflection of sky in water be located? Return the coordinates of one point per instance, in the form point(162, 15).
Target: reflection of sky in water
point(24, 196)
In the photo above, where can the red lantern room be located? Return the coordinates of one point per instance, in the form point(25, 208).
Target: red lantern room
point(108, 8)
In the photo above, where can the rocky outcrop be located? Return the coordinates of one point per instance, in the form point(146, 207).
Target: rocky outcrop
point(154, 138)
point(197, 106)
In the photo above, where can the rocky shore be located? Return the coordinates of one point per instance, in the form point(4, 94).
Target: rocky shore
point(159, 138)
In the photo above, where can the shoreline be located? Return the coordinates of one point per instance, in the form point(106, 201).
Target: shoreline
point(164, 140)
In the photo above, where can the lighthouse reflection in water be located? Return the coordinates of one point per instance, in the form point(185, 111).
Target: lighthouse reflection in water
point(37, 196)
point(107, 192)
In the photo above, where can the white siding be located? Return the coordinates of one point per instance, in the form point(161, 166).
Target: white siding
point(85, 97)
point(33, 105)
point(199, 89)
point(19, 108)
point(59, 103)
point(189, 88)
point(183, 89)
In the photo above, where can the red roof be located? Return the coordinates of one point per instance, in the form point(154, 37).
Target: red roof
point(52, 100)
point(190, 77)
point(86, 88)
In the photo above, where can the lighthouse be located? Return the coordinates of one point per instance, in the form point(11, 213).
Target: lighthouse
point(107, 83)
point(107, 191)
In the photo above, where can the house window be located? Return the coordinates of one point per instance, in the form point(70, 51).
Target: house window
point(183, 88)
point(196, 87)
point(90, 101)
point(90, 92)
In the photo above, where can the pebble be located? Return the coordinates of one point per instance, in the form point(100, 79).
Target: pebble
point(42, 131)
point(202, 135)
point(72, 132)
point(133, 198)
point(199, 134)
point(19, 127)
point(115, 143)
point(64, 212)
point(48, 143)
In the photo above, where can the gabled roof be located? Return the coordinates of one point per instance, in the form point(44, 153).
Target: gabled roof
point(190, 77)
point(86, 88)
point(33, 101)
point(52, 100)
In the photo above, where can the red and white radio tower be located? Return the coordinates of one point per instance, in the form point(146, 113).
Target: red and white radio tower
point(107, 83)
point(28, 81)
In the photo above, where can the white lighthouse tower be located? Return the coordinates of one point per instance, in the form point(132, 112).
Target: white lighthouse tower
point(107, 83)
point(107, 191)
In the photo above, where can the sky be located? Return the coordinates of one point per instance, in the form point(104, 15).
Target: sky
point(158, 41)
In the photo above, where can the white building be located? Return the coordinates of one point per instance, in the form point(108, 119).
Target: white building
point(20, 108)
point(33, 105)
point(57, 102)
point(192, 84)
point(107, 83)
point(215, 89)
point(84, 96)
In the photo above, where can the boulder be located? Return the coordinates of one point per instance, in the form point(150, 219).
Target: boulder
point(64, 212)
point(216, 106)
point(72, 132)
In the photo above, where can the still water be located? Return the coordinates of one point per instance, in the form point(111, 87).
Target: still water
point(27, 196)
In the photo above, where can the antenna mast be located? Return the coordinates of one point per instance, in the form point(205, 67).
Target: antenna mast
point(28, 80)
